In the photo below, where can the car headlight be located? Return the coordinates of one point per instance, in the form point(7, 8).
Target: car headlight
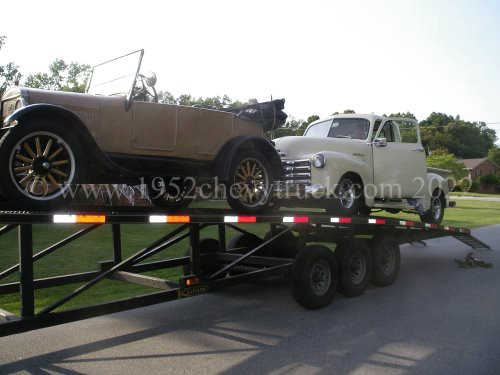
point(319, 161)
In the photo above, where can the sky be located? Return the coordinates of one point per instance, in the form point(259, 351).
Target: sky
point(381, 56)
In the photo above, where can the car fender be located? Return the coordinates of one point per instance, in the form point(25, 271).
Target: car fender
point(337, 165)
point(226, 155)
point(66, 118)
point(433, 181)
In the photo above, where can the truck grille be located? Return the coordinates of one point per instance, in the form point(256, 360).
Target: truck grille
point(297, 172)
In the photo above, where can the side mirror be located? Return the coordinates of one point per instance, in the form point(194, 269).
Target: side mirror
point(380, 142)
point(150, 79)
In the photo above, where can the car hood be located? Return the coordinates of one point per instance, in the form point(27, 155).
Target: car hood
point(61, 98)
point(299, 147)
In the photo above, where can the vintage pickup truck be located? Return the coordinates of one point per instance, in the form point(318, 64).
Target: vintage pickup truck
point(351, 164)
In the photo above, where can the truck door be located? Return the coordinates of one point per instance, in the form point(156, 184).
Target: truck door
point(399, 160)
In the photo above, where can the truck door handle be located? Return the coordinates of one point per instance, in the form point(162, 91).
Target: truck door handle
point(418, 149)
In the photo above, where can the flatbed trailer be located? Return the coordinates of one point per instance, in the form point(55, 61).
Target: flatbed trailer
point(367, 251)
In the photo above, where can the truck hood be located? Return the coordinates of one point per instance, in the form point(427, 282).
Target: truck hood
point(298, 147)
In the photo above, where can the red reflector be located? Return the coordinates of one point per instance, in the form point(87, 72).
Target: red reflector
point(247, 219)
point(345, 220)
point(301, 219)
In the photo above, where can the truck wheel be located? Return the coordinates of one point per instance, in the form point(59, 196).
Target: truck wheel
point(386, 259)
point(41, 163)
point(314, 277)
point(436, 212)
point(355, 267)
point(172, 195)
point(287, 246)
point(250, 182)
point(207, 246)
point(346, 200)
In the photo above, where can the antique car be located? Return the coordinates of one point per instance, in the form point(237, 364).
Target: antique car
point(117, 133)
point(350, 164)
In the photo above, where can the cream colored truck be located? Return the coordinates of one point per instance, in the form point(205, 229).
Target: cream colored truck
point(351, 164)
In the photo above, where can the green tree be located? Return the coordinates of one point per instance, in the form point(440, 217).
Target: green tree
point(407, 114)
point(494, 154)
point(9, 74)
point(443, 159)
point(62, 77)
point(463, 139)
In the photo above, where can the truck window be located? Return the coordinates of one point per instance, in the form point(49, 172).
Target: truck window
point(355, 128)
point(408, 132)
point(387, 132)
point(319, 130)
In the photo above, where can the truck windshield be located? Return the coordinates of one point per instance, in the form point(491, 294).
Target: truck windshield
point(115, 77)
point(355, 128)
point(319, 130)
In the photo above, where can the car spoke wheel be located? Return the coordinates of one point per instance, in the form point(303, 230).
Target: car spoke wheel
point(42, 164)
point(250, 183)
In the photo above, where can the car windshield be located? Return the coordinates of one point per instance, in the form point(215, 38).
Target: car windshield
point(355, 128)
point(115, 77)
point(319, 130)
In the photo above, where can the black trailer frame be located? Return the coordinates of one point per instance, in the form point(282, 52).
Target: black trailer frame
point(205, 266)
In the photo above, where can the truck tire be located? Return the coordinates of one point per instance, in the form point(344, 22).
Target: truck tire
point(42, 162)
point(347, 198)
point(251, 180)
point(207, 246)
point(435, 213)
point(386, 259)
point(314, 277)
point(355, 267)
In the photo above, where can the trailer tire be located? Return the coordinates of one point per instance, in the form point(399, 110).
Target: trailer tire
point(287, 246)
point(314, 277)
point(355, 267)
point(207, 246)
point(242, 243)
point(386, 259)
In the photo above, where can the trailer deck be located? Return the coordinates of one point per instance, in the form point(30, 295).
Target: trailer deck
point(367, 250)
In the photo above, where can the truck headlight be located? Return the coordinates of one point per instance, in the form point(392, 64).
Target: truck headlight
point(319, 161)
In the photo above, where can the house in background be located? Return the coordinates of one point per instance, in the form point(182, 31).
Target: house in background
point(481, 167)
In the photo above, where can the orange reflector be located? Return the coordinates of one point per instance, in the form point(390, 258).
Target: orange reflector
point(169, 219)
point(192, 281)
point(79, 219)
point(178, 219)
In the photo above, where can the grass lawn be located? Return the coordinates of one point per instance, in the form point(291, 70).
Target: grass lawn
point(85, 253)
point(470, 194)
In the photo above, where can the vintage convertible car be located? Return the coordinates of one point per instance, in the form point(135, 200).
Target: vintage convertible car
point(117, 132)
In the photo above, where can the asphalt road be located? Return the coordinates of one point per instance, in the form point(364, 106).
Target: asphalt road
point(436, 319)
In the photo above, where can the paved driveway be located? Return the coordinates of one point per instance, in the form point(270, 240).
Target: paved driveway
point(436, 319)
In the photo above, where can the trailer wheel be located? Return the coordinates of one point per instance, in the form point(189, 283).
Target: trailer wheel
point(242, 243)
point(287, 246)
point(386, 259)
point(207, 246)
point(314, 277)
point(355, 266)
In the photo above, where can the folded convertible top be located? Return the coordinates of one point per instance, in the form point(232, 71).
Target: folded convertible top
point(269, 113)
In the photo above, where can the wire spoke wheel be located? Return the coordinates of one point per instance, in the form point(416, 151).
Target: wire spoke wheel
point(251, 182)
point(41, 165)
